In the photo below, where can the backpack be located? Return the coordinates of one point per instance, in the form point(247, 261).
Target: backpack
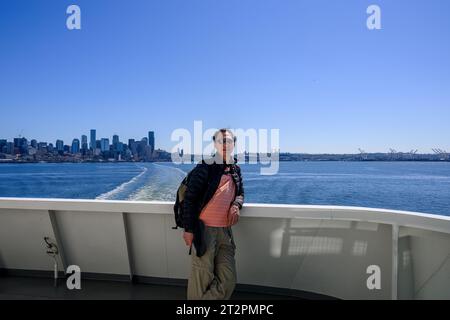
point(178, 207)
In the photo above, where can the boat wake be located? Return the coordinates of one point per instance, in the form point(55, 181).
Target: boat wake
point(117, 193)
point(161, 185)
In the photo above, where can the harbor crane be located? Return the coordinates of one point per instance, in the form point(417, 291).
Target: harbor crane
point(362, 153)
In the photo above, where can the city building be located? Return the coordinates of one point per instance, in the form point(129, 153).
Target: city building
point(59, 145)
point(93, 144)
point(151, 140)
point(84, 144)
point(75, 146)
point(104, 144)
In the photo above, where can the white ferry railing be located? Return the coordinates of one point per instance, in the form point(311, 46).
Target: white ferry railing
point(343, 252)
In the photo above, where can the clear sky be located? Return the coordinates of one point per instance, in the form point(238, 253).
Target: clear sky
point(310, 68)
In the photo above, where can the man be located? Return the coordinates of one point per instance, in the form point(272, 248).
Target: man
point(212, 204)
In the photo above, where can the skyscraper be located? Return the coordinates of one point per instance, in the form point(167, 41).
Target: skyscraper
point(21, 144)
point(75, 146)
point(84, 144)
point(92, 145)
point(2, 143)
point(59, 145)
point(10, 148)
point(115, 142)
point(151, 140)
point(104, 144)
point(115, 139)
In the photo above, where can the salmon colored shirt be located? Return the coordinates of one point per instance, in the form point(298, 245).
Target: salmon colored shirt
point(215, 213)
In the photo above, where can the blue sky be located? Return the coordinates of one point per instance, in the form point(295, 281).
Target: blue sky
point(309, 68)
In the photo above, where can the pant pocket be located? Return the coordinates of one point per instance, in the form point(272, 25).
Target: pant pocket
point(229, 232)
point(201, 239)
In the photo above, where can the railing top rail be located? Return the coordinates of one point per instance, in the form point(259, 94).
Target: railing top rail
point(426, 221)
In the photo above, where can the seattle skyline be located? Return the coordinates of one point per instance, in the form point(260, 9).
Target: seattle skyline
point(152, 141)
point(312, 69)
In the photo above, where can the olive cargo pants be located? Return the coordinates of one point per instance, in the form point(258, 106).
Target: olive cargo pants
point(213, 275)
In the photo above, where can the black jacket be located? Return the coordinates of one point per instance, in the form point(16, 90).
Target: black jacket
point(202, 185)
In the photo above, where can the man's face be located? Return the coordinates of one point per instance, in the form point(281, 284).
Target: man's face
point(224, 143)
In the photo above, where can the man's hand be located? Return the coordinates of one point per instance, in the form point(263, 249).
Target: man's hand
point(188, 238)
point(233, 214)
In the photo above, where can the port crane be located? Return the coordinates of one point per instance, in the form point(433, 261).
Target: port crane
point(444, 155)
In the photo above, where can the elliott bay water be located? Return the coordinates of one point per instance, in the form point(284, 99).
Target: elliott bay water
point(412, 186)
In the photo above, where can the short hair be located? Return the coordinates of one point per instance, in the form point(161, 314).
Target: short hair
point(223, 131)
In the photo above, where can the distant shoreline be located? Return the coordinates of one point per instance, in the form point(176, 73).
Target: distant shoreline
point(315, 160)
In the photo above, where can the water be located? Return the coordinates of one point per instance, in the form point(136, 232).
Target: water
point(412, 186)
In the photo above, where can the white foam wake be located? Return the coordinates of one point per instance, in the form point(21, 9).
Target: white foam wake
point(162, 186)
point(109, 194)
point(170, 167)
